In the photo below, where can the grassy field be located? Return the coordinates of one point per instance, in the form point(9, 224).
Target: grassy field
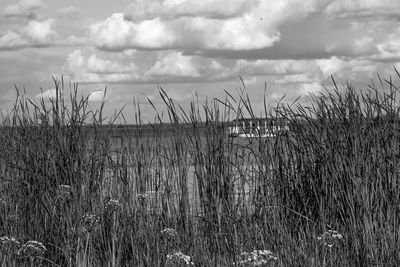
point(326, 193)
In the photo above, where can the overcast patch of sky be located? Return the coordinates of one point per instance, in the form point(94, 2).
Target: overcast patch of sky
point(134, 46)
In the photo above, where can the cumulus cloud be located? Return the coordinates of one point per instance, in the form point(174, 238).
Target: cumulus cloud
point(174, 64)
point(117, 33)
point(330, 66)
point(36, 33)
point(188, 24)
point(95, 69)
point(12, 40)
point(389, 48)
point(24, 8)
point(345, 8)
point(40, 32)
point(168, 66)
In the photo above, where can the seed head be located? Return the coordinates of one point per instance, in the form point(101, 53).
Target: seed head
point(32, 248)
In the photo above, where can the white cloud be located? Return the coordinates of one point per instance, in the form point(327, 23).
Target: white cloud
point(95, 69)
point(389, 49)
point(241, 33)
point(193, 24)
point(36, 33)
point(12, 40)
point(174, 64)
point(329, 66)
point(40, 32)
point(24, 8)
point(117, 33)
point(346, 8)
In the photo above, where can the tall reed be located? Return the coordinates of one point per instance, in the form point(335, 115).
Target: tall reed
point(179, 190)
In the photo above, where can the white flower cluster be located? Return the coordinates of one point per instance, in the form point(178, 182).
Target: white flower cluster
point(7, 240)
point(256, 258)
point(32, 248)
point(169, 232)
point(179, 257)
point(113, 205)
point(9, 244)
point(330, 237)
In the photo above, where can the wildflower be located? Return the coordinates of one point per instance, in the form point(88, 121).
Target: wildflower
point(330, 238)
point(9, 245)
point(32, 248)
point(89, 222)
point(112, 205)
point(179, 257)
point(256, 258)
point(63, 192)
point(169, 232)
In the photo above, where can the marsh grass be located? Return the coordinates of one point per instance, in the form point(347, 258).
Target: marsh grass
point(185, 188)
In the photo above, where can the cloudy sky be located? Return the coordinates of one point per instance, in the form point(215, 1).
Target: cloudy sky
point(194, 47)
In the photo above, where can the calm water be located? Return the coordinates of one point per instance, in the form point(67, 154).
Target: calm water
point(151, 161)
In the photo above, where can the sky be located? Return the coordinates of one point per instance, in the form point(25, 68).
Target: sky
point(193, 49)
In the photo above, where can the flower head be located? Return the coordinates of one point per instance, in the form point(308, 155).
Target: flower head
point(256, 258)
point(9, 245)
point(112, 205)
point(169, 232)
point(32, 248)
point(330, 238)
point(179, 257)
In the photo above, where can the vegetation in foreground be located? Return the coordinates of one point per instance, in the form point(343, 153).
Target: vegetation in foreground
point(324, 194)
